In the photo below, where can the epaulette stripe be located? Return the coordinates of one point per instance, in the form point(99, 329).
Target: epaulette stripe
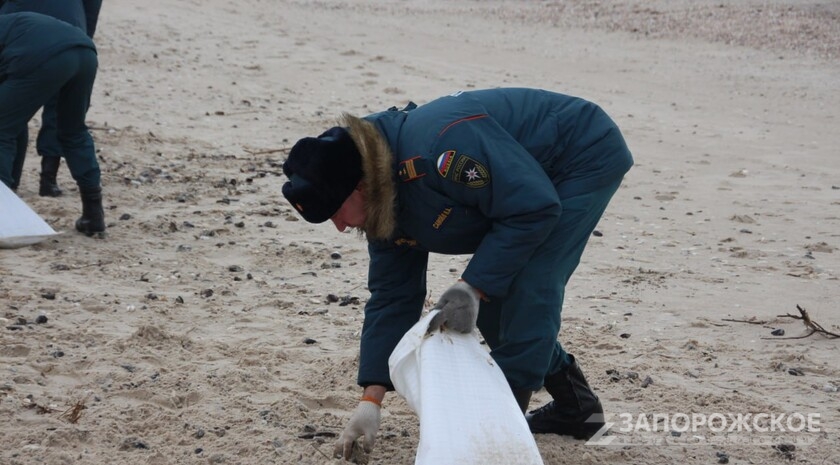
point(468, 118)
point(408, 172)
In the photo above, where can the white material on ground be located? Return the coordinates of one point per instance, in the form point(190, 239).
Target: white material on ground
point(20, 225)
point(467, 412)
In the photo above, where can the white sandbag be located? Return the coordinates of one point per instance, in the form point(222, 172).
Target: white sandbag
point(19, 224)
point(468, 414)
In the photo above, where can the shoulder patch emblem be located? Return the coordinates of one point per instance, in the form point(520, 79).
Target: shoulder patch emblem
point(444, 162)
point(470, 172)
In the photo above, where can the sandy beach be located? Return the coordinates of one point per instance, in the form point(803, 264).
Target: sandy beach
point(213, 325)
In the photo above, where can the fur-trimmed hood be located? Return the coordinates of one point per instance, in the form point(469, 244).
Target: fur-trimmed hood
point(378, 177)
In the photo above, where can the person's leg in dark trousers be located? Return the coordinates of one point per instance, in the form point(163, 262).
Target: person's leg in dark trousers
point(522, 329)
point(20, 156)
point(75, 139)
point(20, 98)
point(49, 149)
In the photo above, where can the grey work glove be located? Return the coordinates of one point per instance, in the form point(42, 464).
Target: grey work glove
point(458, 309)
point(364, 422)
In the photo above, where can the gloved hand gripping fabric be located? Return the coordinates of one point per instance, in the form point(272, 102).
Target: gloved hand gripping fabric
point(458, 309)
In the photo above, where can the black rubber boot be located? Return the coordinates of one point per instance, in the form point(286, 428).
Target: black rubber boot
point(575, 410)
point(93, 216)
point(523, 398)
point(49, 170)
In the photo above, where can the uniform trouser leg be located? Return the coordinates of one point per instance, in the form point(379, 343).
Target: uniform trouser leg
point(522, 329)
point(20, 156)
point(47, 143)
point(50, 150)
point(20, 98)
point(71, 109)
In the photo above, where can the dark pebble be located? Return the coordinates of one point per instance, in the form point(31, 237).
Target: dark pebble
point(58, 354)
point(785, 447)
point(207, 293)
point(597, 233)
point(349, 300)
point(796, 372)
point(335, 256)
point(778, 332)
point(786, 450)
point(647, 381)
point(133, 443)
point(625, 335)
point(332, 298)
point(199, 433)
point(722, 457)
point(240, 224)
point(48, 295)
point(198, 450)
point(41, 319)
point(125, 216)
point(179, 300)
point(309, 341)
point(676, 434)
point(234, 268)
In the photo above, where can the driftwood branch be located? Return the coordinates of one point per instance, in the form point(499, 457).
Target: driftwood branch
point(752, 322)
point(267, 151)
point(813, 326)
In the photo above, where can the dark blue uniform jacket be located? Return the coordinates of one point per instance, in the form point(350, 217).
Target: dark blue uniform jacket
point(29, 39)
point(83, 14)
point(482, 173)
